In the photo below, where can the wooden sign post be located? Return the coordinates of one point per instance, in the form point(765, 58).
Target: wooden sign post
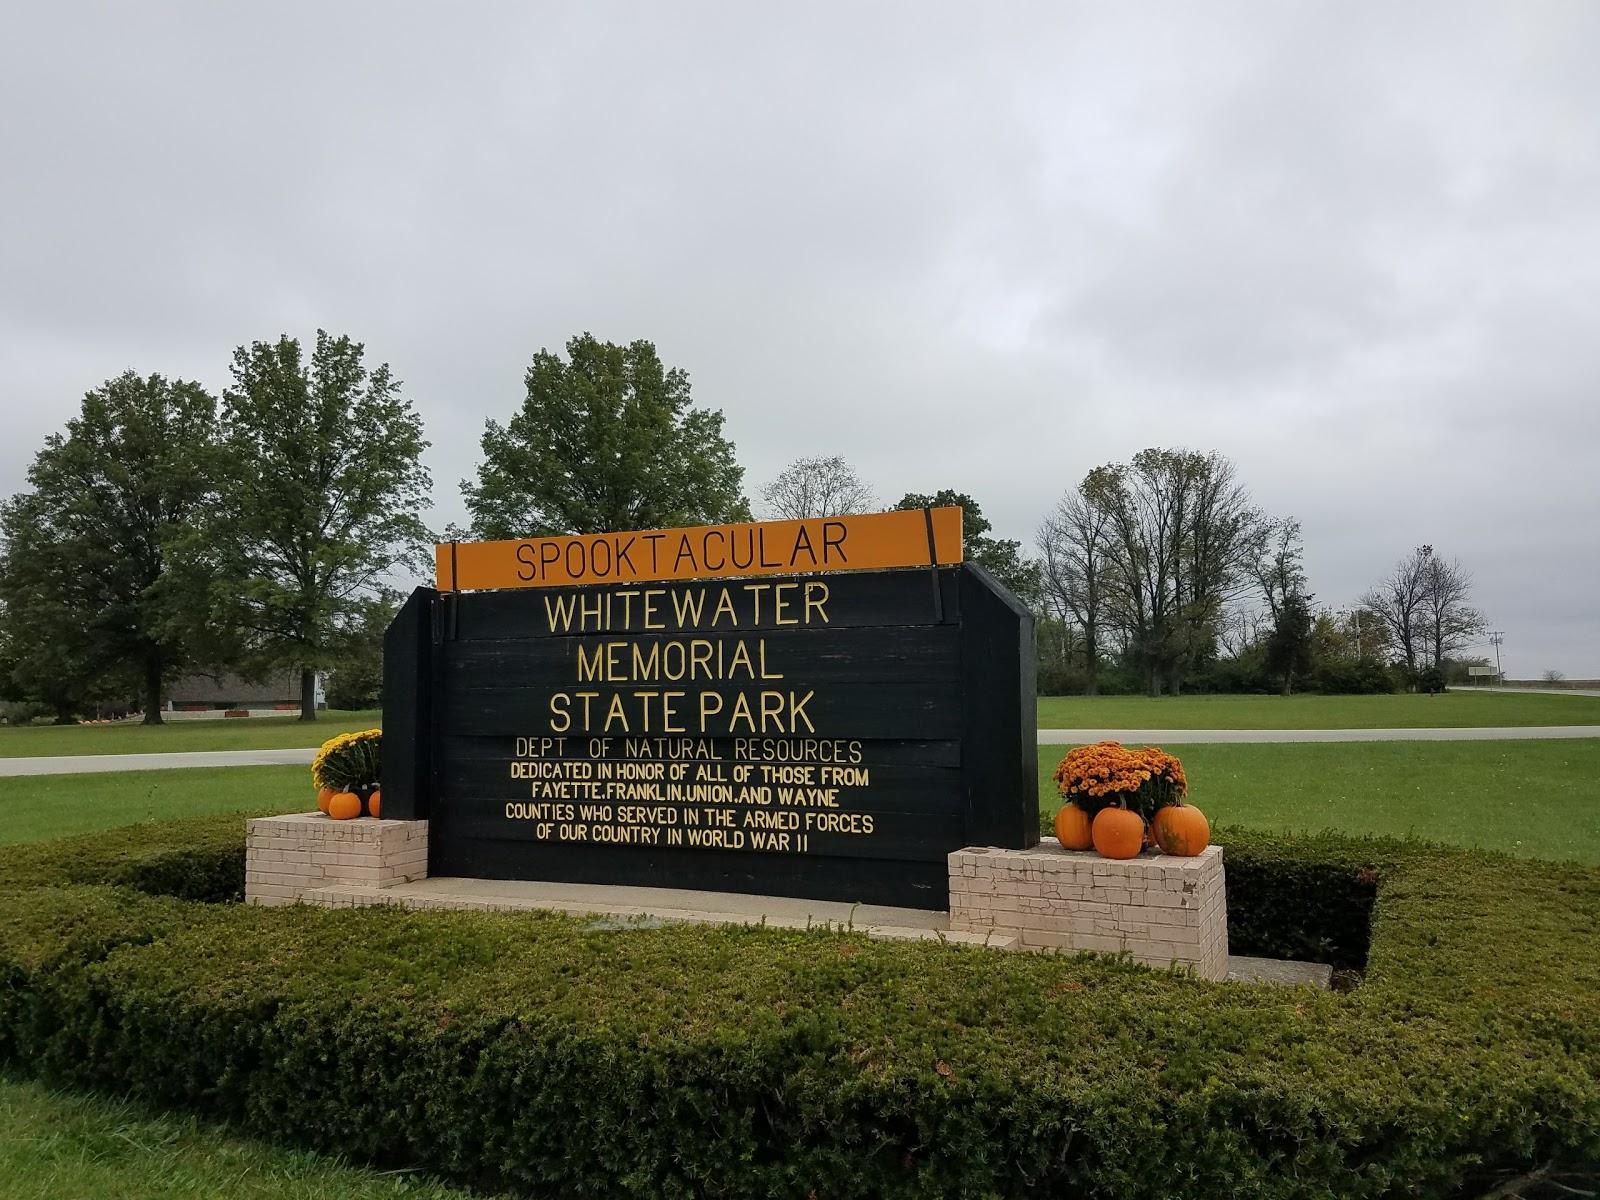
point(820, 708)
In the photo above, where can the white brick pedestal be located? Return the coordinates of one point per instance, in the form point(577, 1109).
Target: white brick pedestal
point(1159, 909)
point(288, 856)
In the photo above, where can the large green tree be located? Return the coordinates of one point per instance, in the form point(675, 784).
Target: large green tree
point(320, 497)
point(91, 603)
point(606, 439)
point(1001, 557)
point(1290, 645)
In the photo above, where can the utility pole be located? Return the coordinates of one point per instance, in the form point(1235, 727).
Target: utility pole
point(1496, 637)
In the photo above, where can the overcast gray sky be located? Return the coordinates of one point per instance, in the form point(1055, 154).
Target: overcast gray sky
point(1354, 246)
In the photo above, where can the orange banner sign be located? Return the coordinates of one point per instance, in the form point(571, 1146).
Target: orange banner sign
point(910, 538)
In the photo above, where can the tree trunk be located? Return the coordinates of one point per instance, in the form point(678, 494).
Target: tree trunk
point(1175, 679)
point(1288, 681)
point(152, 690)
point(1091, 660)
point(1153, 684)
point(308, 694)
point(64, 715)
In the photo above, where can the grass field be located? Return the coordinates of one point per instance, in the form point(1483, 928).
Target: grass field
point(1534, 799)
point(38, 807)
point(65, 1146)
point(253, 733)
point(1453, 710)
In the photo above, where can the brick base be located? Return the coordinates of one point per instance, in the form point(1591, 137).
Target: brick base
point(1159, 909)
point(288, 856)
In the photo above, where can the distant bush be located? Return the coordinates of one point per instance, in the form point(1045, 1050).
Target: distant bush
point(547, 1056)
point(1055, 678)
point(1245, 673)
point(354, 687)
point(23, 712)
point(1367, 677)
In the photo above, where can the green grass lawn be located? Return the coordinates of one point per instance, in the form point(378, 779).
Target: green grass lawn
point(38, 807)
point(1453, 710)
point(239, 733)
point(66, 1146)
point(1534, 799)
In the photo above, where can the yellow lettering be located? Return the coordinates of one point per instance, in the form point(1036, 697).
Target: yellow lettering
point(816, 597)
point(559, 609)
point(619, 714)
point(689, 605)
point(755, 590)
point(651, 620)
point(761, 654)
point(589, 667)
point(707, 700)
point(772, 709)
point(780, 604)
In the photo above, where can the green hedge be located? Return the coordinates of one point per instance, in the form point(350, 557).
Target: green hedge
point(537, 1054)
point(1307, 899)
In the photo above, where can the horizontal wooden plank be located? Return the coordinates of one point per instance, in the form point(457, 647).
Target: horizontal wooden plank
point(926, 790)
point(861, 880)
point(867, 599)
point(899, 538)
point(844, 751)
point(886, 835)
point(927, 654)
point(859, 710)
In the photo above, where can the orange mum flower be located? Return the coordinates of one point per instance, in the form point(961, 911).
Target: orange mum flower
point(1106, 773)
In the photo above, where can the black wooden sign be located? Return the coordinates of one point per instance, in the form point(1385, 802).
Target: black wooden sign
point(833, 735)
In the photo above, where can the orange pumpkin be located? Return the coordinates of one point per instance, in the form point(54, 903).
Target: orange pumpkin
point(1072, 828)
point(1182, 829)
point(342, 806)
point(1118, 833)
point(374, 803)
point(323, 796)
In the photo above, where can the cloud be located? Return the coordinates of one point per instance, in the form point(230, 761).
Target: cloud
point(982, 247)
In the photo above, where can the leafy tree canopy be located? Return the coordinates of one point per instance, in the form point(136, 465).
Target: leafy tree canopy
point(606, 440)
point(91, 606)
point(1001, 557)
point(320, 499)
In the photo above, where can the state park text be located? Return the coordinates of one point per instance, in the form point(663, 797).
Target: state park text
point(698, 795)
point(760, 708)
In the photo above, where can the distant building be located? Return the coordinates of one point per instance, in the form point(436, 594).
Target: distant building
point(202, 693)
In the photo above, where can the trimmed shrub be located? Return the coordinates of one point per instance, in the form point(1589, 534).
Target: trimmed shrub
point(544, 1055)
point(197, 859)
point(1306, 898)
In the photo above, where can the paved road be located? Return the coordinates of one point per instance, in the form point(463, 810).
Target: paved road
point(82, 764)
point(1058, 737)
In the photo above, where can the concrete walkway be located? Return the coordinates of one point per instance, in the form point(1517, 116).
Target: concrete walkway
point(1178, 737)
point(84, 764)
point(1528, 691)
